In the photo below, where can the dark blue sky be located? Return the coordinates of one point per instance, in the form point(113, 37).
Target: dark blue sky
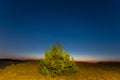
point(88, 29)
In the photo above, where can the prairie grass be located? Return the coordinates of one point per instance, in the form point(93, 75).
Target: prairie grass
point(87, 71)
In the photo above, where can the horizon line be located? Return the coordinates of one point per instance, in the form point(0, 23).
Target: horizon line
point(76, 60)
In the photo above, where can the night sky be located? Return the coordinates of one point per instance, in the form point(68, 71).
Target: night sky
point(87, 29)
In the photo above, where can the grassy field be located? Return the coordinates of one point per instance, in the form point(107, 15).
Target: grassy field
point(29, 71)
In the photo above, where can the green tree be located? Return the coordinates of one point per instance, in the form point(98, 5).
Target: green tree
point(56, 61)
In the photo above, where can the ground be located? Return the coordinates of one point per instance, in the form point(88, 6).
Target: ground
point(87, 71)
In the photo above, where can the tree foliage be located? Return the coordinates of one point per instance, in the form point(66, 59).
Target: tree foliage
point(56, 61)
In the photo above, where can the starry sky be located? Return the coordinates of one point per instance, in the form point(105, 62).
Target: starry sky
point(87, 29)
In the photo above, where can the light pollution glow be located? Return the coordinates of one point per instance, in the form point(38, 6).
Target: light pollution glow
point(38, 57)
